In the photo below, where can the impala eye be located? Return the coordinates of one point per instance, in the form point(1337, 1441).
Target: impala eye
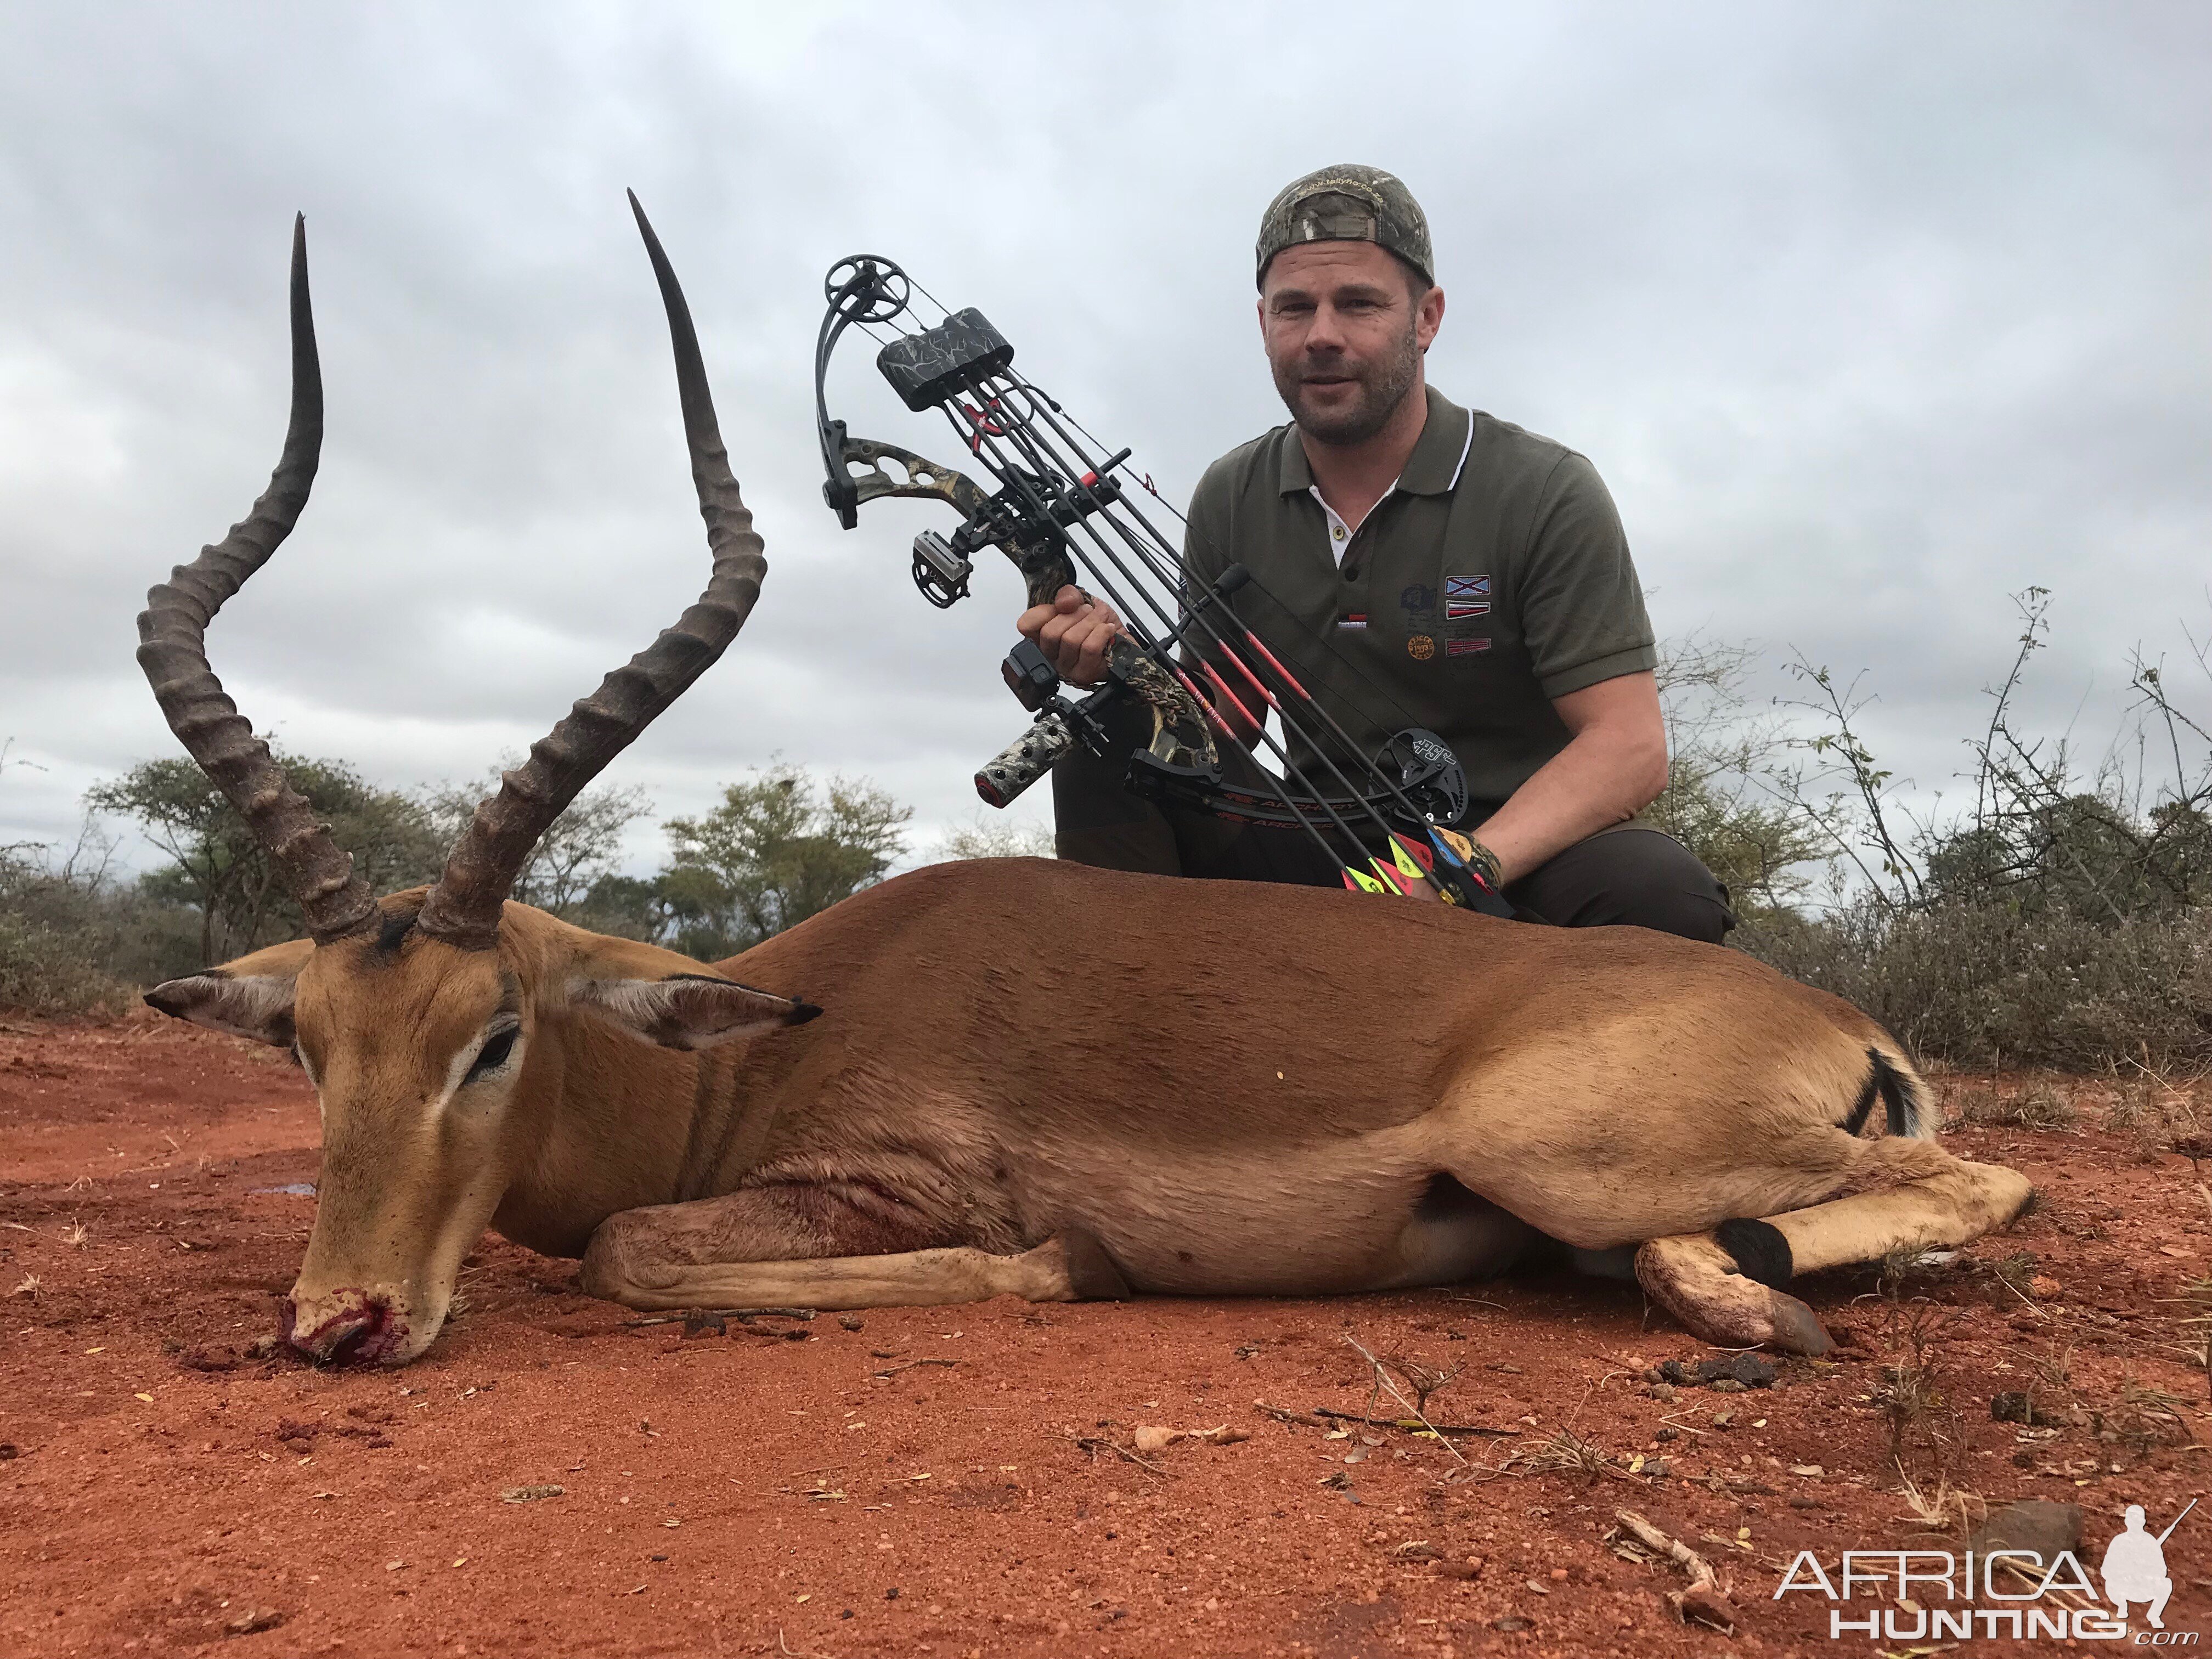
point(494, 1053)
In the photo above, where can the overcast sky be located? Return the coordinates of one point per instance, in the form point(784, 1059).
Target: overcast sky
point(1869, 315)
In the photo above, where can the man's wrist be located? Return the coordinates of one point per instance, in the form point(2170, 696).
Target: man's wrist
point(1485, 864)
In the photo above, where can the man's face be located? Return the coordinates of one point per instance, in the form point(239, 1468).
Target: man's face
point(1344, 335)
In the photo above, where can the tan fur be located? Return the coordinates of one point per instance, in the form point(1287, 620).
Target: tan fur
point(1219, 1088)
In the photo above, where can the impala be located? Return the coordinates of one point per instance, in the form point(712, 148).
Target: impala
point(940, 1091)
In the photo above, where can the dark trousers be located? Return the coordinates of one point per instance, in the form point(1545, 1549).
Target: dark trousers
point(1630, 875)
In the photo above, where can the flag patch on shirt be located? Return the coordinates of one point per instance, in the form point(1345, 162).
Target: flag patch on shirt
point(1460, 610)
point(1466, 587)
point(1353, 619)
point(1465, 648)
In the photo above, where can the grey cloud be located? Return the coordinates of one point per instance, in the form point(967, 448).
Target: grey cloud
point(1869, 315)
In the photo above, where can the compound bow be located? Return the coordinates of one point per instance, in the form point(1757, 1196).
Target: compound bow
point(1060, 512)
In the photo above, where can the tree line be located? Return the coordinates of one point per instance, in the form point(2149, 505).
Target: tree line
point(2062, 914)
point(774, 849)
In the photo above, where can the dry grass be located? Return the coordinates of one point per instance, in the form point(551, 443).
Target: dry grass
point(2039, 1106)
point(2195, 1343)
point(2154, 1108)
point(2143, 1417)
point(1947, 1509)
point(1912, 1395)
point(2016, 1271)
point(2053, 1377)
point(1564, 1453)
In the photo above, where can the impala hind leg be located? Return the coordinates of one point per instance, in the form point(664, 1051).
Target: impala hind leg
point(1726, 1284)
point(795, 1248)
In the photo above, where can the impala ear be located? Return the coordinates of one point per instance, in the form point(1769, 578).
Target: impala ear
point(688, 1011)
point(251, 997)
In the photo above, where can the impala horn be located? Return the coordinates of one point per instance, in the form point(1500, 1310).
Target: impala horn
point(172, 650)
point(464, 908)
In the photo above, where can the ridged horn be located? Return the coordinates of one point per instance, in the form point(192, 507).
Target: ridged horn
point(464, 907)
point(172, 650)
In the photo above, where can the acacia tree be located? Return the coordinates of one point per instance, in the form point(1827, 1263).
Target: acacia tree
point(779, 849)
point(216, 866)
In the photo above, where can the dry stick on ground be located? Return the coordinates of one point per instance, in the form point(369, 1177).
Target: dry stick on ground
point(1092, 1443)
point(1704, 1600)
point(1382, 1380)
point(1322, 1416)
point(1414, 1425)
point(741, 1314)
point(909, 1365)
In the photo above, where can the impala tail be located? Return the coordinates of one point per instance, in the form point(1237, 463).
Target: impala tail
point(1903, 1092)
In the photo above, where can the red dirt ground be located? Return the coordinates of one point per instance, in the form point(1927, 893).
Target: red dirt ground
point(163, 1492)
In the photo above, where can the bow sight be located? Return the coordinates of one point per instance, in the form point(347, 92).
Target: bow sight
point(1062, 502)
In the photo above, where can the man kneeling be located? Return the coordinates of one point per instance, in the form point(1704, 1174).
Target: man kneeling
point(1414, 563)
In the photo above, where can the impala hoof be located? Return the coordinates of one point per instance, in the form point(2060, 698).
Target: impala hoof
point(1797, 1329)
point(1699, 1283)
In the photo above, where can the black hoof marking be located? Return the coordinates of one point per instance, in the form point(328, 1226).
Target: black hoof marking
point(1091, 1273)
point(1761, 1253)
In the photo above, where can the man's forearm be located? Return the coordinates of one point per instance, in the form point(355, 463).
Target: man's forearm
point(1602, 777)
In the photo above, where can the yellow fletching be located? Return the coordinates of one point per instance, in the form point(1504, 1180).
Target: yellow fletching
point(1392, 881)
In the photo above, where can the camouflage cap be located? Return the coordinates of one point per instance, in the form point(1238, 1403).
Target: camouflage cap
point(1347, 203)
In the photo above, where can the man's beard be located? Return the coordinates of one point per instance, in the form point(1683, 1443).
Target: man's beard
point(1383, 386)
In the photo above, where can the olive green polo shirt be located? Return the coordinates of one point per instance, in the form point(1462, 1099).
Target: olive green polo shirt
point(1492, 579)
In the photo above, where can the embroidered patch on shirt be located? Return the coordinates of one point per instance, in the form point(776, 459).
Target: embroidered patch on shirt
point(1460, 610)
point(1465, 648)
point(1419, 597)
point(1466, 587)
point(1353, 619)
point(1420, 647)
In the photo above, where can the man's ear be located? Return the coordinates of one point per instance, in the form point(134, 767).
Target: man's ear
point(688, 1011)
point(251, 997)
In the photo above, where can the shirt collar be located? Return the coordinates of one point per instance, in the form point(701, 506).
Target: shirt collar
point(1431, 470)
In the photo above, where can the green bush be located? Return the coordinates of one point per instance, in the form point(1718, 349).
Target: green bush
point(1984, 984)
point(45, 972)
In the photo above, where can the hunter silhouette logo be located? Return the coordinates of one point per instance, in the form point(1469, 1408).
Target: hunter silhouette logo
point(1999, 1591)
point(2135, 1567)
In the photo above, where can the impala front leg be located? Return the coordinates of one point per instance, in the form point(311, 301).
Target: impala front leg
point(814, 1248)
